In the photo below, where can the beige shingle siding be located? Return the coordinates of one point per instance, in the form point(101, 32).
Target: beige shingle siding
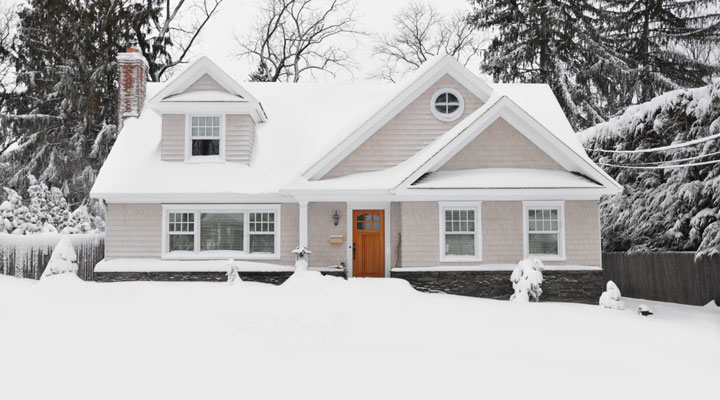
point(502, 234)
point(133, 230)
point(173, 137)
point(407, 133)
point(500, 146)
point(239, 138)
point(289, 234)
point(582, 233)
point(320, 227)
point(395, 233)
point(205, 83)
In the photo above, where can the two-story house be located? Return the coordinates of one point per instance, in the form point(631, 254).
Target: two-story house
point(444, 180)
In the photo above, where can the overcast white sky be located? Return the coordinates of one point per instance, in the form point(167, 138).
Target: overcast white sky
point(374, 16)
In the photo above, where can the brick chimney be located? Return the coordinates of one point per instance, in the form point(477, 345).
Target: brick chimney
point(132, 80)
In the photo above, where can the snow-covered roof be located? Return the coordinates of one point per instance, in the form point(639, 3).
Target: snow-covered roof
point(503, 178)
point(305, 123)
point(205, 96)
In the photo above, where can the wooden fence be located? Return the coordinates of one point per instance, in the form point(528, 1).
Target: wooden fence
point(27, 256)
point(665, 276)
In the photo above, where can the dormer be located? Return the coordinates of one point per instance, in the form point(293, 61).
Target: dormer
point(207, 116)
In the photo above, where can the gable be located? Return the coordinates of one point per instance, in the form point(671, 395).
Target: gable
point(205, 82)
point(408, 132)
point(500, 145)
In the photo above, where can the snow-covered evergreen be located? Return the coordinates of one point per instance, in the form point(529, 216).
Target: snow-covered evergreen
point(46, 211)
point(610, 298)
point(63, 259)
point(232, 274)
point(662, 208)
point(526, 279)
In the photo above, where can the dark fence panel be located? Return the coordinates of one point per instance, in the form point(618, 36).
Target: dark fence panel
point(27, 257)
point(665, 276)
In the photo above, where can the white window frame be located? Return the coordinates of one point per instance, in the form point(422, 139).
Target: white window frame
point(457, 205)
point(545, 205)
point(188, 139)
point(447, 117)
point(198, 209)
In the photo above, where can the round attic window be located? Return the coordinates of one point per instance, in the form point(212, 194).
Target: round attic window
point(447, 104)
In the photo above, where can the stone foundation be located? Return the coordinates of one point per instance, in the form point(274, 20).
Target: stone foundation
point(274, 278)
point(578, 286)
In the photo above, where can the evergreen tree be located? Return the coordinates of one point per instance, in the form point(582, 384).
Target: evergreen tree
point(66, 117)
point(652, 35)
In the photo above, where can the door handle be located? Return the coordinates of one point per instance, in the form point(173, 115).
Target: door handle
point(354, 251)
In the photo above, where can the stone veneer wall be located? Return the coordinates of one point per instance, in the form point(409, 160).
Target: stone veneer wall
point(275, 278)
point(584, 286)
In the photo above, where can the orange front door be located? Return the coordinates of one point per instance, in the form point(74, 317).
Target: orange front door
point(369, 243)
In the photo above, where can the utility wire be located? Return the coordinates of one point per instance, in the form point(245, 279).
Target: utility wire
point(661, 166)
point(663, 148)
point(673, 161)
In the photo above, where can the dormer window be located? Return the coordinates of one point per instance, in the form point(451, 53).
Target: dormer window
point(205, 137)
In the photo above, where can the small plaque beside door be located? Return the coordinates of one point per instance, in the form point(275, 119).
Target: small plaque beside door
point(337, 239)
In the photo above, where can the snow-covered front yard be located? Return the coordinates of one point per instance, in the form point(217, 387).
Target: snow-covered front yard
point(321, 337)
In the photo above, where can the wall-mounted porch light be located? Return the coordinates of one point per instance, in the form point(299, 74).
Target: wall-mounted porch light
point(336, 218)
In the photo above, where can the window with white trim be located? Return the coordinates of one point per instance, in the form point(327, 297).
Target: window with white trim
point(262, 232)
point(460, 232)
point(205, 135)
point(447, 104)
point(544, 230)
point(217, 231)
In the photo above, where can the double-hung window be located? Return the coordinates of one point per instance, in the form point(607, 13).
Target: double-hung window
point(460, 238)
point(544, 233)
point(205, 136)
point(219, 231)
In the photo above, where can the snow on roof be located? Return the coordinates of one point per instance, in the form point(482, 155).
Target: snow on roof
point(503, 178)
point(302, 117)
point(304, 121)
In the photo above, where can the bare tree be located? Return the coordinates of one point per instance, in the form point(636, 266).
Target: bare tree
point(423, 32)
point(298, 37)
point(175, 27)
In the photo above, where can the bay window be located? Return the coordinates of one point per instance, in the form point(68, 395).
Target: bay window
point(460, 231)
point(221, 231)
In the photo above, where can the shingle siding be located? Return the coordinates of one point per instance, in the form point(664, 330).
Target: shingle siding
point(133, 230)
point(502, 234)
point(407, 133)
point(172, 147)
point(500, 146)
point(320, 227)
point(239, 138)
point(205, 83)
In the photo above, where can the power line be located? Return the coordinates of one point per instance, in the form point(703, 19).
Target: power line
point(673, 161)
point(661, 166)
point(663, 148)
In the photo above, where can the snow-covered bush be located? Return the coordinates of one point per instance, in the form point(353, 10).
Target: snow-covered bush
point(526, 279)
point(611, 297)
point(63, 259)
point(46, 211)
point(232, 274)
point(301, 264)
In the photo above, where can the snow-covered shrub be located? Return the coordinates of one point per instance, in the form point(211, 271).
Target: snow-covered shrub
point(232, 274)
point(46, 211)
point(63, 259)
point(611, 297)
point(301, 264)
point(526, 279)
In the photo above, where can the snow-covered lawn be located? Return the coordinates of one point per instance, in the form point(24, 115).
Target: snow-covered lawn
point(321, 337)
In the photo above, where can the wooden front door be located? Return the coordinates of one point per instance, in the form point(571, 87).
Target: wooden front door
point(369, 243)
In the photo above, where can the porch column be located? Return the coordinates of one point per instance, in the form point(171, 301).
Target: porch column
point(303, 224)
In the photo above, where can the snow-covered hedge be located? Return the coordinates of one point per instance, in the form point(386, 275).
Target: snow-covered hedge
point(526, 279)
point(46, 211)
point(610, 298)
point(672, 209)
point(26, 256)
